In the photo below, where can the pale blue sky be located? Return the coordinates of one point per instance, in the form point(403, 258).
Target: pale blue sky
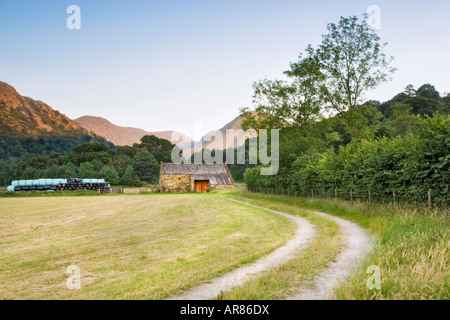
point(161, 65)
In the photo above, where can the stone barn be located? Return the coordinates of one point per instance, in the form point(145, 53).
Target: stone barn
point(194, 177)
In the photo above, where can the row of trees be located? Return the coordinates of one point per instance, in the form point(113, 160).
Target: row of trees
point(125, 165)
point(410, 164)
point(15, 146)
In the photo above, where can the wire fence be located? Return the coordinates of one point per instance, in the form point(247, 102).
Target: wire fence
point(393, 197)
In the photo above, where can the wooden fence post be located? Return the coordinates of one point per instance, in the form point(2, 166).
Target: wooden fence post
point(370, 198)
point(312, 193)
point(296, 193)
point(429, 199)
point(393, 196)
point(335, 193)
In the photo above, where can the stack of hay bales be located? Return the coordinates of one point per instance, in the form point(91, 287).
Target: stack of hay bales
point(60, 185)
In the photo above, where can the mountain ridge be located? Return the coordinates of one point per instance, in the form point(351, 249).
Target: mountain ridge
point(24, 116)
point(124, 135)
point(228, 139)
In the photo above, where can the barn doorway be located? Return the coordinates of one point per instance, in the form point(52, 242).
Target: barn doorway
point(201, 185)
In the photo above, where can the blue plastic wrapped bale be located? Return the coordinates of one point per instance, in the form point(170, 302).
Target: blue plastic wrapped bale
point(10, 188)
point(28, 183)
point(17, 188)
point(41, 182)
point(86, 180)
point(63, 181)
point(15, 183)
point(101, 180)
point(55, 182)
point(94, 180)
point(48, 182)
point(22, 183)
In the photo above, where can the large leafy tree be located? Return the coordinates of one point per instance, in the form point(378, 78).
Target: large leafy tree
point(145, 166)
point(5, 173)
point(87, 171)
point(349, 61)
point(110, 174)
point(89, 152)
point(429, 91)
point(279, 104)
point(424, 101)
point(269, 98)
point(160, 148)
point(129, 178)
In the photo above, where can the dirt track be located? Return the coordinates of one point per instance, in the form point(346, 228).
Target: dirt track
point(210, 290)
point(357, 246)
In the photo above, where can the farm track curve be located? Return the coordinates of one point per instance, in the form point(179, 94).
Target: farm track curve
point(356, 247)
point(303, 235)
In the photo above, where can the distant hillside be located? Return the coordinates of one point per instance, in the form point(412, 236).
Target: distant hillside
point(227, 141)
point(31, 126)
point(26, 117)
point(122, 136)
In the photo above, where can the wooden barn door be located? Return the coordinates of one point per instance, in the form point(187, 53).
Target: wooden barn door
point(204, 186)
point(201, 185)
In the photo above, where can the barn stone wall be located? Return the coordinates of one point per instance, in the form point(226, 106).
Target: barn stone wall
point(175, 183)
point(193, 185)
point(221, 187)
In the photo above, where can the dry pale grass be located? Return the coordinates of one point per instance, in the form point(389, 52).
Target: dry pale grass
point(413, 267)
point(128, 247)
point(412, 250)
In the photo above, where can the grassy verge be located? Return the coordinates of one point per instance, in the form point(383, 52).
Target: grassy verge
point(128, 247)
point(411, 249)
point(289, 278)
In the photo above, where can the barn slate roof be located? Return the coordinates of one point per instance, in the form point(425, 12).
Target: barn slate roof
point(215, 173)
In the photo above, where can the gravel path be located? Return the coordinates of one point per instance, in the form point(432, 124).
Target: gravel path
point(357, 246)
point(304, 233)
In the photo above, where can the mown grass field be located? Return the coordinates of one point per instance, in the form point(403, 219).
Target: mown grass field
point(128, 246)
point(155, 246)
point(411, 248)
